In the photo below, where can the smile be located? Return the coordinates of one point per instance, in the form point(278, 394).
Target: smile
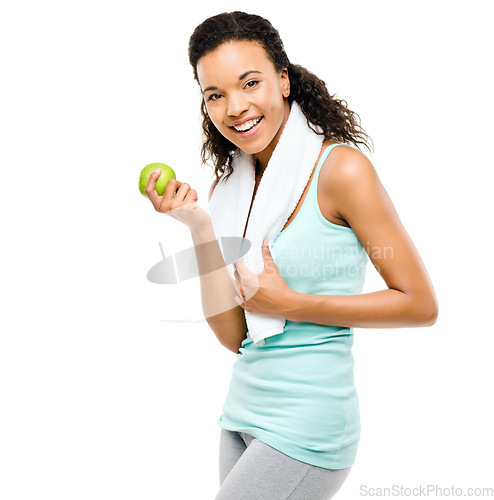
point(249, 128)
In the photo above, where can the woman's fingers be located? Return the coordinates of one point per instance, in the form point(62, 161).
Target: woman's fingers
point(239, 292)
point(178, 201)
point(150, 190)
point(175, 197)
point(185, 196)
point(191, 196)
point(171, 187)
point(237, 283)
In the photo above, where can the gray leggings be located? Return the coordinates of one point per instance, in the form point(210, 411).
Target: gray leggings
point(253, 470)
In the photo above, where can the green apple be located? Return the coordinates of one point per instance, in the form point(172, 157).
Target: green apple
point(167, 173)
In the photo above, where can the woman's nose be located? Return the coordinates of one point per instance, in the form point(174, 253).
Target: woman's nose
point(236, 105)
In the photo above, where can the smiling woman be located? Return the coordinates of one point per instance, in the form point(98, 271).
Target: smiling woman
point(290, 426)
point(231, 92)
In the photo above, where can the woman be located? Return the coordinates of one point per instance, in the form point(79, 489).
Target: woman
point(291, 426)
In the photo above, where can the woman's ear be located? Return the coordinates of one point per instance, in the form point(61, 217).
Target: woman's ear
point(285, 82)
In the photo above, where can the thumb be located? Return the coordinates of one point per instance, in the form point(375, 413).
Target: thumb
point(266, 254)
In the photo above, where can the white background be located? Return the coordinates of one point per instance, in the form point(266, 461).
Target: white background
point(102, 396)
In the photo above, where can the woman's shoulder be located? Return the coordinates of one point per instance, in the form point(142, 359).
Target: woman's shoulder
point(343, 165)
point(344, 169)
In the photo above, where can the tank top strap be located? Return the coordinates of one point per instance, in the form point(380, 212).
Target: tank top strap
point(324, 155)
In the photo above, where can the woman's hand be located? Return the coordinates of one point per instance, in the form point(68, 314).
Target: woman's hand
point(178, 201)
point(263, 293)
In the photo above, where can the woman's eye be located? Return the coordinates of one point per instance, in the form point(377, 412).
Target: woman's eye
point(211, 97)
point(252, 81)
point(215, 97)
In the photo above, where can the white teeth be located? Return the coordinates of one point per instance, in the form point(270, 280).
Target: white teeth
point(247, 125)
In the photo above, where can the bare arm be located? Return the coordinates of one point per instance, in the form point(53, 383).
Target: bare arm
point(354, 186)
point(223, 315)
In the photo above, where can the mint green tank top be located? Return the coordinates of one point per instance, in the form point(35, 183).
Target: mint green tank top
point(296, 392)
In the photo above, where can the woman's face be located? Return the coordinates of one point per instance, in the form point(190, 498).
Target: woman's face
point(239, 84)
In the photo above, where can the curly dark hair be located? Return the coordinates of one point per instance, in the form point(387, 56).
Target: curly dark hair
point(336, 121)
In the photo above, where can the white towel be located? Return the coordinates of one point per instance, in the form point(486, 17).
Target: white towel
point(281, 187)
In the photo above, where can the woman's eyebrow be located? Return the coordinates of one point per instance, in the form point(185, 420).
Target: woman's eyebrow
point(241, 77)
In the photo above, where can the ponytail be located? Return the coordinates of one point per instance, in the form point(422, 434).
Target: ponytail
point(335, 120)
